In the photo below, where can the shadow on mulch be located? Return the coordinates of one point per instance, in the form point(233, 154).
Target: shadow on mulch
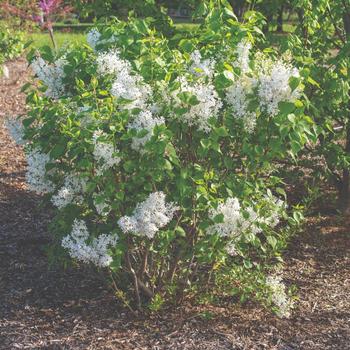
point(71, 309)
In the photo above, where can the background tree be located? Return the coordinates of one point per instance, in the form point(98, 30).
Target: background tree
point(322, 43)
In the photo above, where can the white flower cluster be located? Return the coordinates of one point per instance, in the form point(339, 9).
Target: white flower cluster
point(111, 63)
point(149, 216)
point(71, 191)
point(279, 296)
point(269, 82)
point(102, 207)
point(16, 130)
point(104, 153)
point(93, 37)
point(201, 67)
point(237, 220)
point(275, 206)
point(131, 88)
point(238, 97)
point(127, 85)
point(242, 51)
point(274, 85)
point(208, 105)
point(51, 75)
point(85, 116)
point(233, 222)
point(95, 252)
point(144, 121)
point(36, 172)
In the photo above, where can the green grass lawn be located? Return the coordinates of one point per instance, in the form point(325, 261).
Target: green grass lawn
point(62, 38)
point(76, 37)
point(42, 38)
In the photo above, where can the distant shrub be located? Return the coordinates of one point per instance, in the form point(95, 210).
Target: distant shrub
point(11, 45)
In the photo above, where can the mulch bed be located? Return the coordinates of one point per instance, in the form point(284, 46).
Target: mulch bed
point(43, 307)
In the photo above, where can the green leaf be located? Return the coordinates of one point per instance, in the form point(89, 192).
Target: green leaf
point(188, 98)
point(247, 264)
point(180, 231)
point(294, 83)
point(219, 218)
point(313, 82)
point(94, 82)
point(286, 107)
point(224, 80)
point(222, 131)
point(186, 45)
point(298, 104)
point(272, 241)
point(57, 151)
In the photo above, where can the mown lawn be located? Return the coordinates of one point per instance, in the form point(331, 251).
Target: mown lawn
point(77, 37)
point(62, 38)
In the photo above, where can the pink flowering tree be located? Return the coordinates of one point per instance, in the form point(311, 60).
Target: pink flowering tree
point(43, 13)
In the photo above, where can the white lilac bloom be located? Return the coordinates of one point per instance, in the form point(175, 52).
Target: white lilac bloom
point(127, 85)
point(155, 108)
point(101, 205)
point(208, 105)
point(85, 117)
point(201, 67)
point(70, 192)
point(104, 153)
point(36, 172)
point(269, 214)
point(96, 251)
point(231, 249)
point(232, 219)
point(273, 85)
point(149, 216)
point(131, 88)
point(110, 63)
point(238, 97)
point(16, 130)
point(237, 220)
point(279, 296)
point(51, 75)
point(242, 51)
point(144, 121)
point(93, 37)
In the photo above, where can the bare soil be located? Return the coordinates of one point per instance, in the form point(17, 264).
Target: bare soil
point(43, 307)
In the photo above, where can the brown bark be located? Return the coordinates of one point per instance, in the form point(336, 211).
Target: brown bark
point(302, 24)
point(280, 19)
point(344, 195)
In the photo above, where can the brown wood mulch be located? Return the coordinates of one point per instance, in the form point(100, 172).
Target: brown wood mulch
point(44, 307)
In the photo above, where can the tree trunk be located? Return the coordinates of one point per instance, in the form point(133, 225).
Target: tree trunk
point(238, 7)
point(346, 20)
point(266, 27)
point(280, 19)
point(344, 195)
point(302, 24)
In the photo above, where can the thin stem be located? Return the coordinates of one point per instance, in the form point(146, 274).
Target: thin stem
point(120, 294)
point(136, 284)
point(339, 34)
point(52, 38)
point(144, 261)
